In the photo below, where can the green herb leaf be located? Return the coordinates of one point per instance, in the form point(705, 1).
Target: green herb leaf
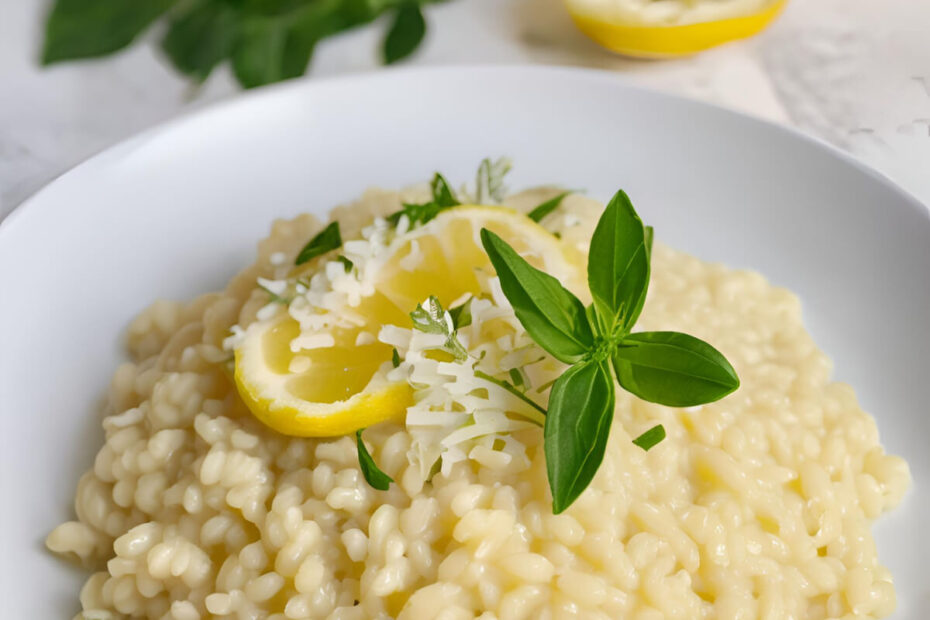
point(552, 316)
point(406, 33)
point(201, 36)
point(674, 369)
point(547, 207)
point(651, 437)
point(417, 214)
point(266, 40)
point(325, 241)
point(461, 314)
point(373, 474)
point(90, 28)
point(395, 358)
point(442, 193)
point(581, 408)
point(265, 52)
point(349, 265)
point(641, 300)
point(489, 185)
point(432, 319)
point(618, 264)
point(276, 43)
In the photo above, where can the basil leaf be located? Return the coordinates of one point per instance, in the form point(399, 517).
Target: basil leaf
point(326, 240)
point(201, 37)
point(641, 301)
point(581, 408)
point(90, 28)
point(277, 45)
point(651, 437)
point(618, 264)
point(373, 474)
point(406, 33)
point(674, 369)
point(552, 316)
point(547, 207)
point(264, 52)
point(442, 193)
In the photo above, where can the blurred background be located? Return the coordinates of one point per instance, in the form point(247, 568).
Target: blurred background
point(854, 73)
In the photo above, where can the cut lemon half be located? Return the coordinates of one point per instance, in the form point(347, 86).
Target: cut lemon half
point(337, 389)
point(670, 28)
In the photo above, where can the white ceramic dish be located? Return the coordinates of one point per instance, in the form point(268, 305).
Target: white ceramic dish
point(177, 210)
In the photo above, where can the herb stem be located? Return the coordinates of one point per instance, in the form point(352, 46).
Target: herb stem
point(537, 417)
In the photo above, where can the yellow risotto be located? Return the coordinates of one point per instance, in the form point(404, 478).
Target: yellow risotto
point(758, 505)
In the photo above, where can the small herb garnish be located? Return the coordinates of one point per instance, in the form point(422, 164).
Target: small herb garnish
point(419, 214)
point(373, 474)
point(431, 318)
point(651, 437)
point(461, 314)
point(349, 265)
point(547, 207)
point(326, 240)
point(668, 368)
point(442, 192)
point(489, 184)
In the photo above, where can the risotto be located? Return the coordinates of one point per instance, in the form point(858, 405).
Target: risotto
point(758, 505)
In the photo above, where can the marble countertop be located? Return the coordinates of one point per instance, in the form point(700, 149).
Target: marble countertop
point(852, 72)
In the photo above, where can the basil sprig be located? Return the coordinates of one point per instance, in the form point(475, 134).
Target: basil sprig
point(264, 41)
point(668, 368)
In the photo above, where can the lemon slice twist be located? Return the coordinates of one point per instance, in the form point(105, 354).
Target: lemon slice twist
point(336, 390)
point(641, 33)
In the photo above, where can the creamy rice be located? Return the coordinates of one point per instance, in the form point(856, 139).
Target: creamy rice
point(758, 505)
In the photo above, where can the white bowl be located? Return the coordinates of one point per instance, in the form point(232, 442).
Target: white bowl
point(177, 210)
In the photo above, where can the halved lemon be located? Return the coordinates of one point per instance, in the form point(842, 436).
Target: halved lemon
point(670, 28)
point(336, 390)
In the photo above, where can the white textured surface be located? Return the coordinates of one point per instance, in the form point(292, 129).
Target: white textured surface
point(853, 72)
